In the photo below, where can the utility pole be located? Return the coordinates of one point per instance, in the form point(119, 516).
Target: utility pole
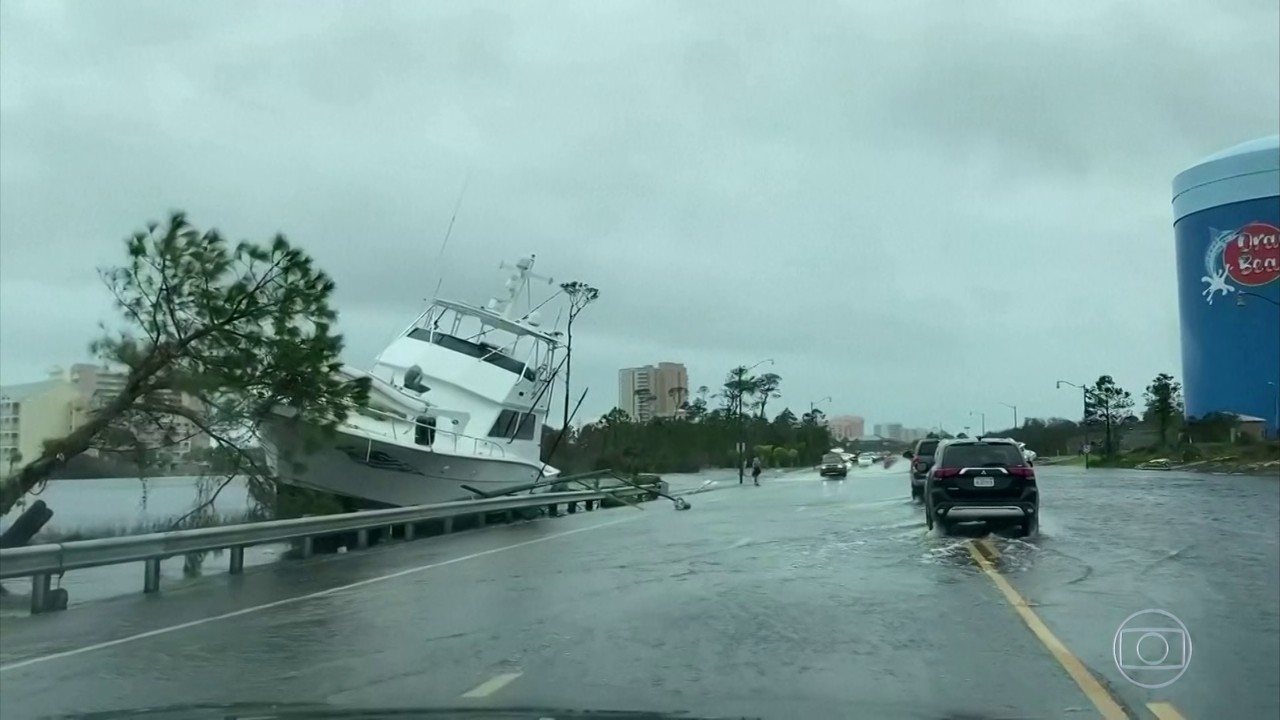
point(983, 426)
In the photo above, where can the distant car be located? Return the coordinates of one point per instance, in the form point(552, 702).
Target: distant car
point(982, 479)
point(921, 457)
point(864, 460)
point(833, 465)
point(1027, 453)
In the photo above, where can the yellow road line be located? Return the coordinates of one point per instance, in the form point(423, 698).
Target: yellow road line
point(991, 551)
point(1088, 684)
point(492, 685)
point(1164, 711)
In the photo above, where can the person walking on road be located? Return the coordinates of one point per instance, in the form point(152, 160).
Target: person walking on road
point(755, 470)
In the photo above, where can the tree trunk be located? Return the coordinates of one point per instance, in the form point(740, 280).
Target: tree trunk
point(26, 525)
point(568, 373)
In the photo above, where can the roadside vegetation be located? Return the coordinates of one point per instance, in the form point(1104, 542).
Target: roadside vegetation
point(704, 434)
point(214, 334)
point(1122, 437)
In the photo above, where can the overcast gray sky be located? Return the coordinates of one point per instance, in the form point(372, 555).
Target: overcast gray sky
point(923, 209)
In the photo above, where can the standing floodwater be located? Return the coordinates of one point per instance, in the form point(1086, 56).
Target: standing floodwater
point(120, 506)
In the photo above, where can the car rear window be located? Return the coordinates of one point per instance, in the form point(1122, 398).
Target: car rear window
point(927, 447)
point(980, 454)
point(831, 459)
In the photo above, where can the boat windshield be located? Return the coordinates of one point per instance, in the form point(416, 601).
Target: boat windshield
point(481, 351)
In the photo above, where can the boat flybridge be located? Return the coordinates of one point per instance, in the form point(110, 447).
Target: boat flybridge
point(456, 404)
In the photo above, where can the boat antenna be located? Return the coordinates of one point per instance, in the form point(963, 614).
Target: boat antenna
point(448, 233)
point(444, 244)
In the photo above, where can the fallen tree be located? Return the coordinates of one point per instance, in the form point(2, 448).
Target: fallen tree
point(216, 336)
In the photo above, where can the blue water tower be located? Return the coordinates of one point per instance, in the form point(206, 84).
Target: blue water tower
point(1226, 225)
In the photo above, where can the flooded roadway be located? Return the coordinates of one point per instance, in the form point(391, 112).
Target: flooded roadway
point(800, 598)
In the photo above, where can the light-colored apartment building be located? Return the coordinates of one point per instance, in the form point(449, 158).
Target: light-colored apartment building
point(33, 413)
point(653, 391)
point(846, 427)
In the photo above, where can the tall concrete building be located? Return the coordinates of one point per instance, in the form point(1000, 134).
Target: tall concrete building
point(653, 391)
point(846, 427)
point(33, 413)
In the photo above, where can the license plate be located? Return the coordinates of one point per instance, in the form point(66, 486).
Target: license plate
point(984, 482)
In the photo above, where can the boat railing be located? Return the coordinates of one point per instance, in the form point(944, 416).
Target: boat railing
point(453, 441)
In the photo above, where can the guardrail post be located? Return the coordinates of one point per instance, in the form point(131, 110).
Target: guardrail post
point(447, 526)
point(151, 575)
point(237, 560)
point(362, 539)
point(480, 520)
point(408, 531)
point(40, 585)
point(307, 548)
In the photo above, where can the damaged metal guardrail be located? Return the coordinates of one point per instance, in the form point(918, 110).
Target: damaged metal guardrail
point(42, 562)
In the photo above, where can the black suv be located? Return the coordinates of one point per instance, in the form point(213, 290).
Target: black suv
point(833, 465)
point(921, 457)
point(986, 479)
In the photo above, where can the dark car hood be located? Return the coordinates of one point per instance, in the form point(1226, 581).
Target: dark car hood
point(298, 711)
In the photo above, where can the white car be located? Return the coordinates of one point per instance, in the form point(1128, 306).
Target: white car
point(1027, 453)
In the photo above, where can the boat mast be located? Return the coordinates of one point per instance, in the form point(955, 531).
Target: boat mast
point(516, 284)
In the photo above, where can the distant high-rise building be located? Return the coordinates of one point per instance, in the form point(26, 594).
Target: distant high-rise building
point(846, 427)
point(653, 391)
point(891, 431)
point(913, 434)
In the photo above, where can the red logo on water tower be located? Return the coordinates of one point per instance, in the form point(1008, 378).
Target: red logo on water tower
point(1247, 256)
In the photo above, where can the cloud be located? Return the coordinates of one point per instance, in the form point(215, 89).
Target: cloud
point(921, 209)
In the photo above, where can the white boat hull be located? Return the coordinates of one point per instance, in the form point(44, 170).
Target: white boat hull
point(386, 473)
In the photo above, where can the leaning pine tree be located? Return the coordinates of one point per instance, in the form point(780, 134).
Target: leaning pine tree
point(215, 334)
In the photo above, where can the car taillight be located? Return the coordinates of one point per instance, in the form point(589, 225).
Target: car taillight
point(945, 472)
point(1025, 472)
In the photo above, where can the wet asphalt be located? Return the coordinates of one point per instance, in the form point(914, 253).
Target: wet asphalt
point(799, 598)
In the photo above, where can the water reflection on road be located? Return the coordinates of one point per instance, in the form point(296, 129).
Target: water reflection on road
point(798, 598)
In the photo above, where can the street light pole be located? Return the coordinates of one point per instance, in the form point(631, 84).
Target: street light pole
point(742, 425)
point(1014, 408)
point(983, 416)
point(813, 418)
point(814, 404)
point(1084, 396)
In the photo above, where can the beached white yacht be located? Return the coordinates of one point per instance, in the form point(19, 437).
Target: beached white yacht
point(457, 401)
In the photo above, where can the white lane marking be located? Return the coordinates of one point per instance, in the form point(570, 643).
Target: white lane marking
point(298, 598)
point(492, 685)
point(741, 542)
